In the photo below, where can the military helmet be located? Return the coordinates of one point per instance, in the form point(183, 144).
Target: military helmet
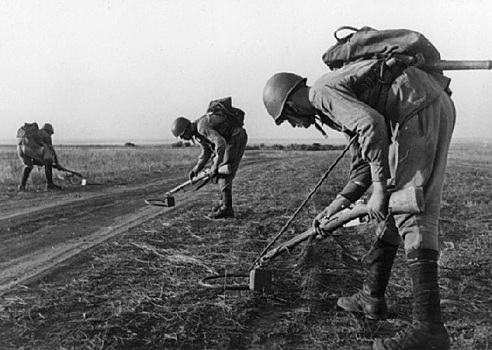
point(48, 127)
point(179, 126)
point(277, 90)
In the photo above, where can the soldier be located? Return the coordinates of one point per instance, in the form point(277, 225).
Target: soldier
point(402, 134)
point(219, 131)
point(35, 147)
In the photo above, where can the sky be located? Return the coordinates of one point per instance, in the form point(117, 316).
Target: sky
point(124, 70)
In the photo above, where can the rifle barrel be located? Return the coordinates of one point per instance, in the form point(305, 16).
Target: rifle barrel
point(460, 65)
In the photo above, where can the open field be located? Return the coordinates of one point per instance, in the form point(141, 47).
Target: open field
point(102, 165)
point(122, 275)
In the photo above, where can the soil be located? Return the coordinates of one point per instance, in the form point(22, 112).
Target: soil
point(41, 231)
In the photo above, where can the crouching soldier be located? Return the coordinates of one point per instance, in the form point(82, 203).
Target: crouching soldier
point(219, 131)
point(35, 147)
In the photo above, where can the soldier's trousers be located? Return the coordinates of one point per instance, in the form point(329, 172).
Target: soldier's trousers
point(418, 157)
point(232, 156)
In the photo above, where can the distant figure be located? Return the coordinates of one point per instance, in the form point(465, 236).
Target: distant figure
point(35, 147)
point(219, 131)
point(401, 138)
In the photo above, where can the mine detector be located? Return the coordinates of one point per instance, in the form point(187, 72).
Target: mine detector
point(71, 173)
point(406, 200)
point(409, 200)
point(200, 180)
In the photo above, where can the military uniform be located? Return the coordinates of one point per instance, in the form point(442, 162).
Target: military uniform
point(404, 138)
point(403, 130)
point(37, 150)
point(217, 133)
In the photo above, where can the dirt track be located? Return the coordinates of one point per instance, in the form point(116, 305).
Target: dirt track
point(42, 230)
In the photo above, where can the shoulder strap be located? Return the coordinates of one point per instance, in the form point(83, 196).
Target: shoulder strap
point(345, 38)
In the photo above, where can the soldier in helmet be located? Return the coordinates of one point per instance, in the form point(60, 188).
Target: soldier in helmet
point(402, 134)
point(37, 149)
point(218, 132)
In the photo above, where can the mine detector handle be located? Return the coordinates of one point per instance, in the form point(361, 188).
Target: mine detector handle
point(168, 200)
point(203, 175)
point(59, 167)
point(408, 200)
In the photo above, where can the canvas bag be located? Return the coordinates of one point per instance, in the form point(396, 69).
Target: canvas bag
point(223, 106)
point(28, 131)
point(369, 43)
point(31, 144)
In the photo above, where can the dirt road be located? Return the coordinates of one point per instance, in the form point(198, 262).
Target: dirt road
point(42, 230)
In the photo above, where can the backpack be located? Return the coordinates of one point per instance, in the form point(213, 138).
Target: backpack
point(223, 107)
point(28, 131)
point(369, 43)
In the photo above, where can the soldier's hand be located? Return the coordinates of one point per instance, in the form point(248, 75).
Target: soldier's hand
point(377, 206)
point(214, 173)
point(338, 204)
point(323, 215)
point(192, 174)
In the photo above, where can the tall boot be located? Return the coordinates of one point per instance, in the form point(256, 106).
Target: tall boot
point(48, 170)
point(370, 300)
point(25, 176)
point(226, 210)
point(428, 331)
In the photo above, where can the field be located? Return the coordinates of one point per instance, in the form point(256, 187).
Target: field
point(95, 268)
point(103, 165)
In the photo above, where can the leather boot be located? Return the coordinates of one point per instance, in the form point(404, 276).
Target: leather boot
point(25, 176)
point(370, 300)
point(428, 331)
point(48, 170)
point(225, 210)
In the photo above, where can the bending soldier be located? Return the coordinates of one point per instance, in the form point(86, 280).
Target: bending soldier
point(35, 147)
point(402, 136)
point(220, 131)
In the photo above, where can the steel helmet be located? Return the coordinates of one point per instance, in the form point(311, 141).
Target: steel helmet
point(277, 90)
point(179, 126)
point(48, 127)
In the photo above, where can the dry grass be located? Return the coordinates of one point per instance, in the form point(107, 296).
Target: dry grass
point(140, 291)
point(107, 165)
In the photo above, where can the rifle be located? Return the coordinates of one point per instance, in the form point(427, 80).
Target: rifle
point(168, 200)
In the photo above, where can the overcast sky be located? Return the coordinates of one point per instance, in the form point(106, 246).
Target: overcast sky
point(116, 69)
